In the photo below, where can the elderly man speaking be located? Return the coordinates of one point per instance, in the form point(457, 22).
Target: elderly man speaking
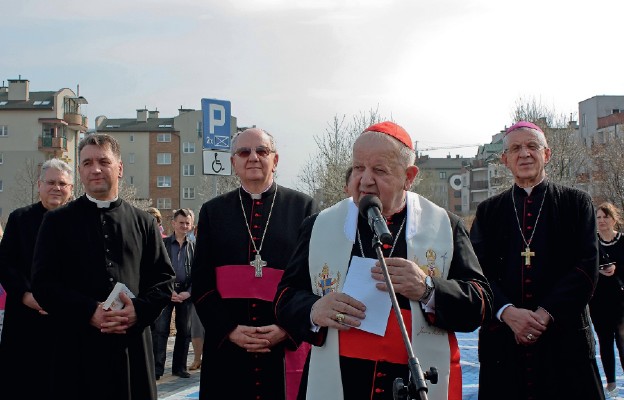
point(433, 269)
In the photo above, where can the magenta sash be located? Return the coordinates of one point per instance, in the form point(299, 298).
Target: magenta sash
point(240, 282)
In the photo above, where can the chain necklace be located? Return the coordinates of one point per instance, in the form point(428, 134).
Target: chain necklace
point(527, 253)
point(257, 263)
point(393, 244)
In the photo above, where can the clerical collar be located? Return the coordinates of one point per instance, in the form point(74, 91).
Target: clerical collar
point(257, 196)
point(101, 203)
point(529, 189)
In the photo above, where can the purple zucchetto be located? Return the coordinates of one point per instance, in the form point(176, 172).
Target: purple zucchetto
point(523, 124)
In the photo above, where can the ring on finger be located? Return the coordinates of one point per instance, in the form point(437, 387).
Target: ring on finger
point(530, 336)
point(340, 317)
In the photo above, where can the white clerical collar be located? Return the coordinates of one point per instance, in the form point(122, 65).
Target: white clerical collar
point(257, 196)
point(101, 203)
point(529, 189)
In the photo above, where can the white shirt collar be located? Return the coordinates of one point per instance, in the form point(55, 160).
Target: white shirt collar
point(101, 203)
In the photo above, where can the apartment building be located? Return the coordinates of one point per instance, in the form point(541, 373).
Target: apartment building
point(34, 127)
point(442, 180)
point(163, 158)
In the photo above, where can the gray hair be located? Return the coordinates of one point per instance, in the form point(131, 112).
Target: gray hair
point(57, 164)
point(101, 139)
point(407, 156)
point(541, 138)
point(235, 139)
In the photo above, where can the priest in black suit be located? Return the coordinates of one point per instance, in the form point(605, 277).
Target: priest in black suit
point(244, 240)
point(24, 352)
point(538, 248)
point(82, 251)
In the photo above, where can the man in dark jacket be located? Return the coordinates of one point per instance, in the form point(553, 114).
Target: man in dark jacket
point(181, 250)
point(83, 250)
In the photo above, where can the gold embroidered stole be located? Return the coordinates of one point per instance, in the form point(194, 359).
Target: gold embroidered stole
point(429, 243)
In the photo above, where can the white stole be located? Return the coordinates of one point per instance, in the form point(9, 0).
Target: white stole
point(427, 228)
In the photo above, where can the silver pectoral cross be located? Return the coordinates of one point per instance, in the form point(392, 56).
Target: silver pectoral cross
point(258, 263)
point(527, 254)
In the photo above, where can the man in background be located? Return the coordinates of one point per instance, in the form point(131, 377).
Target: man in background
point(24, 350)
point(181, 250)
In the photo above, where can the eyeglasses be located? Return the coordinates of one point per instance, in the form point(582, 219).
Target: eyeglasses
point(531, 147)
point(61, 185)
point(261, 151)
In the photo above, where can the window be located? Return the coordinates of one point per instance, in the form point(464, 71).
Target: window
point(457, 194)
point(4, 130)
point(132, 138)
point(163, 137)
point(200, 132)
point(188, 193)
point(163, 181)
point(188, 147)
point(1, 185)
point(1, 158)
point(458, 207)
point(130, 158)
point(188, 170)
point(132, 180)
point(163, 203)
point(163, 158)
point(443, 175)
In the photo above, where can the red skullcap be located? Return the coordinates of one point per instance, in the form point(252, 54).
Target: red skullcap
point(394, 130)
point(522, 124)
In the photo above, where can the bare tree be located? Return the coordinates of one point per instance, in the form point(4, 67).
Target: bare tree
point(215, 185)
point(607, 176)
point(25, 190)
point(323, 175)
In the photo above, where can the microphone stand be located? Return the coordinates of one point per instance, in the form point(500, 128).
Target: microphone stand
point(417, 385)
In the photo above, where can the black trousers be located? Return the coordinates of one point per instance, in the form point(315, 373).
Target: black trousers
point(160, 334)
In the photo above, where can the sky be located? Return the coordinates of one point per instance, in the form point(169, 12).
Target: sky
point(449, 71)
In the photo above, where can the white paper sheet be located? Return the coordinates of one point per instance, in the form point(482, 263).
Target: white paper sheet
point(360, 285)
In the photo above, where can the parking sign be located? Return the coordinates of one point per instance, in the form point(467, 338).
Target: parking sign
point(216, 125)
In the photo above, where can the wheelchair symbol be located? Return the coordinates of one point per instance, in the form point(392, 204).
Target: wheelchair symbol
point(216, 165)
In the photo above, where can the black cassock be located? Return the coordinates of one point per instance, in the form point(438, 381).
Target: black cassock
point(560, 278)
point(24, 349)
point(224, 249)
point(81, 252)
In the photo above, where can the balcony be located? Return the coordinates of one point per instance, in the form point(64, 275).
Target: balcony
point(52, 144)
point(74, 119)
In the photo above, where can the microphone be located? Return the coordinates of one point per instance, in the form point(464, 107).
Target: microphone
point(370, 208)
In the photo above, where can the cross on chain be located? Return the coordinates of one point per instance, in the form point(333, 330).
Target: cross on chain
point(258, 263)
point(527, 254)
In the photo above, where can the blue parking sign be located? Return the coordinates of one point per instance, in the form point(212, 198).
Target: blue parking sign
point(216, 125)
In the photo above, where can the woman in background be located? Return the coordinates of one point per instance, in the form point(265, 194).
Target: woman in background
point(606, 306)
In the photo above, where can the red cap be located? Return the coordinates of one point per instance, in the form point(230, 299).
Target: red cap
point(394, 130)
point(523, 124)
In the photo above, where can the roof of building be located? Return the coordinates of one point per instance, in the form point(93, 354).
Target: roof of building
point(36, 101)
point(442, 163)
point(132, 125)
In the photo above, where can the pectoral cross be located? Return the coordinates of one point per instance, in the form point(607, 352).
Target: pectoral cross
point(527, 254)
point(258, 263)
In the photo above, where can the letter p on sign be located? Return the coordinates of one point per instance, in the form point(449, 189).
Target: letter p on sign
point(217, 116)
